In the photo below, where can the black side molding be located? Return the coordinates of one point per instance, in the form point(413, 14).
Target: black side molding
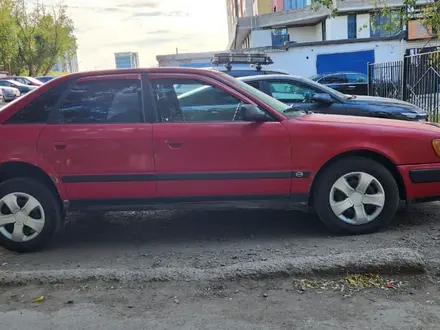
point(144, 203)
point(187, 176)
point(425, 176)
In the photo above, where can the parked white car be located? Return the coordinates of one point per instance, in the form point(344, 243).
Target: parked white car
point(10, 93)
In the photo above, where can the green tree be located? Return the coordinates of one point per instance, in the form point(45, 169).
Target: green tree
point(8, 35)
point(45, 35)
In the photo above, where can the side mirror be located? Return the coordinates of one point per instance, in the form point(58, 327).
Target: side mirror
point(322, 98)
point(251, 112)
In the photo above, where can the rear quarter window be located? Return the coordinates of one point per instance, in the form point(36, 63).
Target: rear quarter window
point(38, 110)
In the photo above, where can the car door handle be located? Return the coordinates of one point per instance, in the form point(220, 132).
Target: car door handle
point(60, 146)
point(351, 87)
point(174, 145)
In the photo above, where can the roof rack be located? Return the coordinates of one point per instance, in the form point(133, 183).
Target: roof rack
point(255, 59)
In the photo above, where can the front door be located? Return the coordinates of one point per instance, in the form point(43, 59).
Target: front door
point(99, 142)
point(204, 151)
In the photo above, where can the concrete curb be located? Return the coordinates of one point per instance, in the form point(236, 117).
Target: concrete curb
point(384, 261)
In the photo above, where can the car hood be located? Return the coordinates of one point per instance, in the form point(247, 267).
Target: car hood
point(387, 103)
point(370, 122)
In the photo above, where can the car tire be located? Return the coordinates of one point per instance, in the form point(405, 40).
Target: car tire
point(359, 208)
point(36, 215)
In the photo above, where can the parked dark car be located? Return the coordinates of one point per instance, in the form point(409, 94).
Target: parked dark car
point(45, 79)
point(21, 87)
point(24, 80)
point(306, 94)
point(346, 82)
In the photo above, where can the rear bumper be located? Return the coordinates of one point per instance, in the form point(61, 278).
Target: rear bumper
point(422, 181)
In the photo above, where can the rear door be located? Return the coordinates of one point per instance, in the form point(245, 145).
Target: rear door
point(99, 142)
point(360, 83)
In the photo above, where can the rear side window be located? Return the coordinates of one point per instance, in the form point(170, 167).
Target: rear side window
point(254, 84)
point(37, 111)
point(334, 79)
point(102, 101)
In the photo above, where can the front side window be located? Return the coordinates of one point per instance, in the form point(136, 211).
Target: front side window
point(354, 78)
point(102, 101)
point(288, 92)
point(203, 104)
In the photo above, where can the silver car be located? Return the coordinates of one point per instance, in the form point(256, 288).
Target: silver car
point(9, 93)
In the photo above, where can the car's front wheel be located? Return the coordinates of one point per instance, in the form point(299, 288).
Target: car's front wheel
point(29, 215)
point(356, 195)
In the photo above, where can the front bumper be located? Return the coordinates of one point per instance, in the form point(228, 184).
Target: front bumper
point(422, 181)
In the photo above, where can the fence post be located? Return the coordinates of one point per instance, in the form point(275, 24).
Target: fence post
point(369, 78)
point(404, 73)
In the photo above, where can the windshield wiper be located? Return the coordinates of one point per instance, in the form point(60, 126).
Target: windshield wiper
point(292, 109)
point(295, 109)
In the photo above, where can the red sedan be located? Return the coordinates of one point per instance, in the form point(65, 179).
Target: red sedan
point(124, 140)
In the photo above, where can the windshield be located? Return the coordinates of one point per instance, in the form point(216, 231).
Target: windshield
point(12, 82)
point(33, 80)
point(266, 99)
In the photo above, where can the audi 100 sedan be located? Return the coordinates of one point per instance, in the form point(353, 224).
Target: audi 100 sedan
point(124, 140)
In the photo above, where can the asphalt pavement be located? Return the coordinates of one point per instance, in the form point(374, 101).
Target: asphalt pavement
point(407, 304)
point(200, 242)
point(204, 240)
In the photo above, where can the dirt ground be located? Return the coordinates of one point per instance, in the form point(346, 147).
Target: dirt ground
point(139, 241)
point(413, 303)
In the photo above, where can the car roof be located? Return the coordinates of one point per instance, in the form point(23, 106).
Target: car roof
point(158, 70)
point(339, 72)
point(271, 77)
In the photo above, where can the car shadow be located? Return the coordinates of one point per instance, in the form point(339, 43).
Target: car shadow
point(179, 226)
point(164, 227)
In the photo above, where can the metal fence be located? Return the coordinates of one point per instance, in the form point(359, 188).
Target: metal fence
point(416, 79)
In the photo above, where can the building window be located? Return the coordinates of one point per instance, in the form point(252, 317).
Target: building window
point(351, 26)
point(294, 4)
point(279, 37)
point(385, 26)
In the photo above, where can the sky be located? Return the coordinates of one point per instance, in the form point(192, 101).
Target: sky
point(149, 27)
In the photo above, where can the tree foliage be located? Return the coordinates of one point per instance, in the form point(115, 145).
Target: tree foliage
point(34, 39)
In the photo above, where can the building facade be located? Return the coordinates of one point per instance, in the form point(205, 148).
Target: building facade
point(68, 64)
point(296, 21)
point(126, 60)
point(304, 41)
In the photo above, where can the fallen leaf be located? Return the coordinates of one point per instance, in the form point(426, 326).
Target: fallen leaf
point(39, 299)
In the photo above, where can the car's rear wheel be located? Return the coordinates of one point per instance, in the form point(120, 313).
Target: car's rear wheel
point(356, 196)
point(29, 215)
